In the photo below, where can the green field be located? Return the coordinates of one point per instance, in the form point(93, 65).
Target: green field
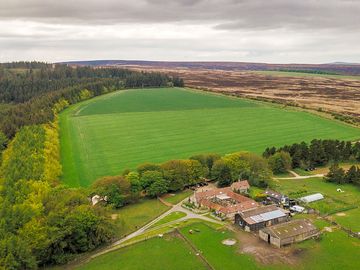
point(349, 219)
point(334, 250)
point(169, 218)
point(134, 216)
point(107, 134)
point(156, 254)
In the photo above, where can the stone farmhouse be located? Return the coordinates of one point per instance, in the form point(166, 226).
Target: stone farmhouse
point(224, 202)
point(241, 187)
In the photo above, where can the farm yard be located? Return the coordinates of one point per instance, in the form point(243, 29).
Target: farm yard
point(108, 134)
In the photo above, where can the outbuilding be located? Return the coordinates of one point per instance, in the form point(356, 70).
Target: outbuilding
point(312, 198)
point(260, 217)
point(283, 234)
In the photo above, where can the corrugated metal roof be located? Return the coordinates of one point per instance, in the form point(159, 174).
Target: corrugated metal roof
point(312, 198)
point(268, 216)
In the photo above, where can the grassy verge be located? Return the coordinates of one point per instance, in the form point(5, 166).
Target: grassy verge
point(132, 217)
point(178, 197)
point(171, 217)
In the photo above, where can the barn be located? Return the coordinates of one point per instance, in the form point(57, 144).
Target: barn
point(260, 217)
point(283, 234)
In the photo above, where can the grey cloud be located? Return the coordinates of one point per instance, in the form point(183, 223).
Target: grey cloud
point(226, 14)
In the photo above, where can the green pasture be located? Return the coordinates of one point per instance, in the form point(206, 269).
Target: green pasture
point(169, 218)
point(349, 219)
point(169, 252)
point(107, 134)
point(334, 250)
point(134, 216)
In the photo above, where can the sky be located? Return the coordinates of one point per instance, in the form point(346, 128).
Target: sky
point(271, 31)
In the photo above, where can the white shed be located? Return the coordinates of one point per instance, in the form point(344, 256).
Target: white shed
point(312, 198)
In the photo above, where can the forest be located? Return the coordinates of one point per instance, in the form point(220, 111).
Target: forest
point(43, 222)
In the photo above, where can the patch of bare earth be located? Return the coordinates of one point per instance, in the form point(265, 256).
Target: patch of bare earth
point(250, 243)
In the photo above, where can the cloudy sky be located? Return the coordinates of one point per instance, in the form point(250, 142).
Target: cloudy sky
point(276, 31)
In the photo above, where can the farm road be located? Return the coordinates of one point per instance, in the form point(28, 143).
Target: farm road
point(296, 176)
point(175, 208)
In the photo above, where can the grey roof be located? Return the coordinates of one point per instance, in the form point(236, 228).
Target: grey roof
point(292, 228)
point(268, 216)
point(312, 198)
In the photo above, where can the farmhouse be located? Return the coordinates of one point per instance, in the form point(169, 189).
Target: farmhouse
point(260, 217)
point(241, 187)
point(289, 232)
point(224, 201)
point(312, 198)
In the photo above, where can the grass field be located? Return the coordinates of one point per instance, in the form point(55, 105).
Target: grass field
point(156, 254)
point(107, 134)
point(334, 250)
point(171, 217)
point(134, 216)
point(349, 219)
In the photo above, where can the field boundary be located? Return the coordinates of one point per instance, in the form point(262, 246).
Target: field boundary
point(194, 249)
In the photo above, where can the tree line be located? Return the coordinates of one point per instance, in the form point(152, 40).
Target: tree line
point(34, 92)
point(151, 179)
point(338, 175)
point(318, 152)
point(42, 222)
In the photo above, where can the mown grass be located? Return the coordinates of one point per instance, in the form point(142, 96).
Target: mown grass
point(208, 241)
point(334, 250)
point(132, 217)
point(171, 217)
point(349, 219)
point(107, 134)
point(156, 253)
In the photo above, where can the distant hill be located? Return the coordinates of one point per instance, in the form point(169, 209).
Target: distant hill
point(333, 68)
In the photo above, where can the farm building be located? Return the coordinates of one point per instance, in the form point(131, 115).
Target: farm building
point(276, 197)
point(260, 217)
point(241, 186)
point(312, 198)
point(296, 230)
point(224, 201)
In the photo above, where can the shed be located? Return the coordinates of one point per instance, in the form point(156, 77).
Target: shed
point(312, 198)
point(260, 217)
point(289, 232)
point(297, 208)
